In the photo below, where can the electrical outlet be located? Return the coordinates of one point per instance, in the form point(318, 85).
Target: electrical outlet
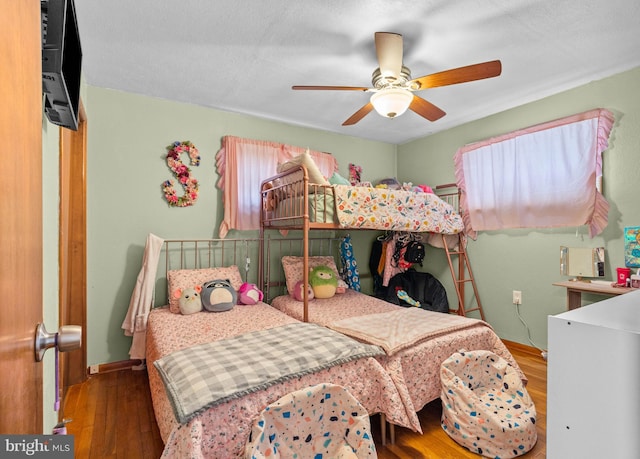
point(517, 297)
point(93, 369)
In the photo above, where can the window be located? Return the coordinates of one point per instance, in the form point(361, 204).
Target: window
point(543, 176)
point(242, 165)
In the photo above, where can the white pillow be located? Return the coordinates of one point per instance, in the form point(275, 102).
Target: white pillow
point(305, 159)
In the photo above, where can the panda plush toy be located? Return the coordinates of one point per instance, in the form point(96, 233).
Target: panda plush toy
point(218, 295)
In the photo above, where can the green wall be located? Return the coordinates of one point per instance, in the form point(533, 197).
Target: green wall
point(127, 136)
point(528, 260)
point(50, 219)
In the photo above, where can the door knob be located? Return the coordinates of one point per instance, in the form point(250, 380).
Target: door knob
point(68, 338)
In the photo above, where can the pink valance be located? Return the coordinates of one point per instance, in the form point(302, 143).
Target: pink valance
point(242, 165)
point(541, 176)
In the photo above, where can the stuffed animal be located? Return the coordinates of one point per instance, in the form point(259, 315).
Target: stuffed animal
point(218, 295)
point(404, 296)
point(270, 201)
point(422, 189)
point(189, 299)
point(275, 194)
point(391, 183)
point(323, 281)
point(298, 291)
point(249, 294)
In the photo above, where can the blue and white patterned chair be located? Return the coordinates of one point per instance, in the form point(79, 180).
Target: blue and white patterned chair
point(485, 406)
point(320, 422)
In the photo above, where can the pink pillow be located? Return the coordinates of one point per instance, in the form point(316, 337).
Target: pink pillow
point(293, 270)
point(189, 278)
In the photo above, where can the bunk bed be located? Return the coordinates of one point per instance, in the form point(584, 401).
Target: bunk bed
point(221, 426)
point(290, 202)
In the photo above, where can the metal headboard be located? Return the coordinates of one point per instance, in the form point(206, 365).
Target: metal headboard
point(206, 253)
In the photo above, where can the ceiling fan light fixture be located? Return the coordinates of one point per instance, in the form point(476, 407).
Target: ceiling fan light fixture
point(391, 102)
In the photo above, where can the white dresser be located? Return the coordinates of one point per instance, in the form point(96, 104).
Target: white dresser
point(593, 381)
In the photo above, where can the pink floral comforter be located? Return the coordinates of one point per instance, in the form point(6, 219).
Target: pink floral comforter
point(395, 210)
point(222, 431)
point(415, 369)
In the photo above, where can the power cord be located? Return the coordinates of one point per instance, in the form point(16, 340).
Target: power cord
point(543, 352)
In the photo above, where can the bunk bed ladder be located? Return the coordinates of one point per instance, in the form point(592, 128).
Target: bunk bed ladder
point(462, 276)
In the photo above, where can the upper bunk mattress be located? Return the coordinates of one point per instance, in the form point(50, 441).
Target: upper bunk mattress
point(395, 210)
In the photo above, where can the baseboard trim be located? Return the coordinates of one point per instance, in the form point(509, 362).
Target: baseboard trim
point(522, 347)
point(116, 366)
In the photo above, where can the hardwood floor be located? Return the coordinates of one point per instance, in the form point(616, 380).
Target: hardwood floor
point(113, 418)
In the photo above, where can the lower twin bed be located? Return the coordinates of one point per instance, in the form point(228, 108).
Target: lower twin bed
point(416, 341)
point(222, 429)
point(205, 403)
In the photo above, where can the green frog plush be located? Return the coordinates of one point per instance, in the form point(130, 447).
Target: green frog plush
point(323, 281)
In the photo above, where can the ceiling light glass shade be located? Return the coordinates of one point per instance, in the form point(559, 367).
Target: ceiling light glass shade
point(392, 102)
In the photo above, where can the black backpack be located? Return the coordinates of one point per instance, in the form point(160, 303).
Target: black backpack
point(422, 287)
point(414, 252)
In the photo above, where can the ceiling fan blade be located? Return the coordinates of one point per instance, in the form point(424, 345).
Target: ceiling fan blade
point(389, 51)
point(357, 116)
point(426, 109)
point(460, 75)
point(332, 88)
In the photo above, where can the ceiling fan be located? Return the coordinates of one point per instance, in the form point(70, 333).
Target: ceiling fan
point(393, 88)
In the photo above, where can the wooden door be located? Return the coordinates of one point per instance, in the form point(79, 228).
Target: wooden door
point(20, 215)
point(73, 247)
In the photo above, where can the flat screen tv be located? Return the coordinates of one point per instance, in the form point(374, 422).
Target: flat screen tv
point(61, 62)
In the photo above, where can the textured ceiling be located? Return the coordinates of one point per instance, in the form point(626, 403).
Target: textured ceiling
point(244, 55)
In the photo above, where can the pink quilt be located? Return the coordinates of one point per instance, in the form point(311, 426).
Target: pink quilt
point(222, 431)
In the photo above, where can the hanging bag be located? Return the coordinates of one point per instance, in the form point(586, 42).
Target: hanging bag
point(414, 252)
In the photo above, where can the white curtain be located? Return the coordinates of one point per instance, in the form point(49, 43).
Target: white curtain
point(242, 165)
point(542, 176)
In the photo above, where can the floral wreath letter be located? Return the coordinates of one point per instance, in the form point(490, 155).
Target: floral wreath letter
point(182, 173)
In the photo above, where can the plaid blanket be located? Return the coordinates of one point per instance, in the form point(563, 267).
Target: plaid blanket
point(208, 374)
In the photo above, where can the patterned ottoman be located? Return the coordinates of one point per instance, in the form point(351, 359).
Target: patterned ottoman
point(320, 422)
point(485, 406)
